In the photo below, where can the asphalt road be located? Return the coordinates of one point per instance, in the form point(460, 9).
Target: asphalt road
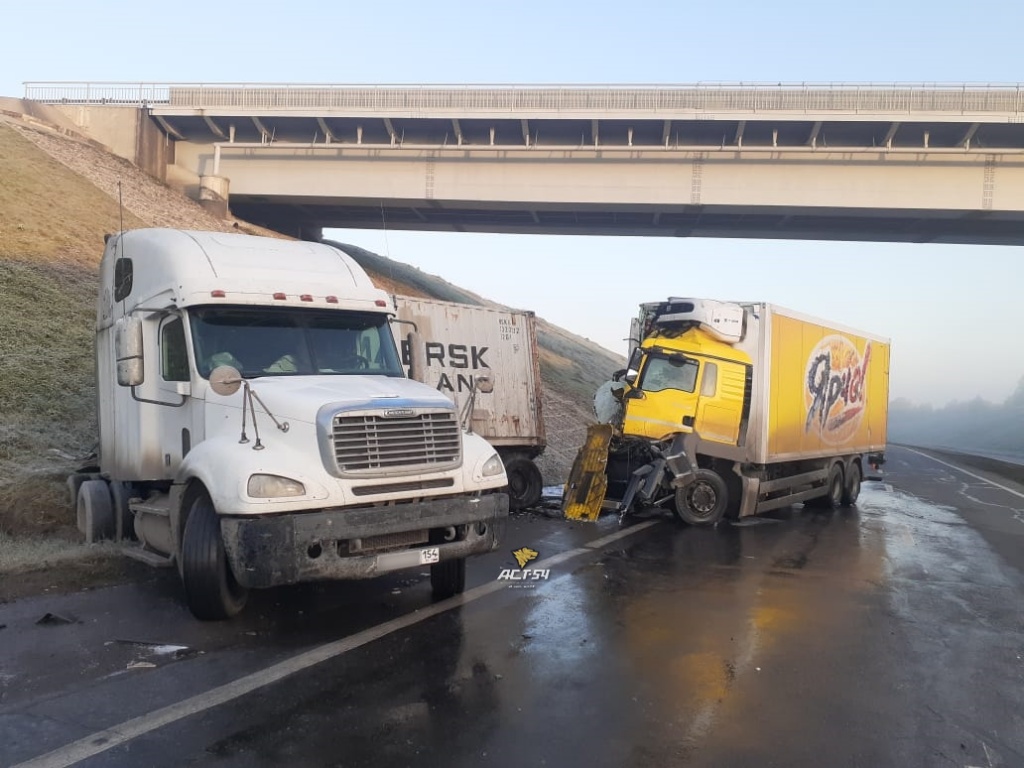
point(891, 634)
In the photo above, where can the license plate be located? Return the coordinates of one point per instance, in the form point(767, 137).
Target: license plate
point(430, 555)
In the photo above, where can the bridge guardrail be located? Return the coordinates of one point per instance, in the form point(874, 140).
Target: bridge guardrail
point(555, 99)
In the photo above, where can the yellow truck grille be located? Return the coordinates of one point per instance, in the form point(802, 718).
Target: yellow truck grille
point(372, 445)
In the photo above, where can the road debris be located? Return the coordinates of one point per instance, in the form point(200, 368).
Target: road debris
point(160, 649)
point(53, 619)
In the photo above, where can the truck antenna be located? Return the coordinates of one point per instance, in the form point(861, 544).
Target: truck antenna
point(120, 235)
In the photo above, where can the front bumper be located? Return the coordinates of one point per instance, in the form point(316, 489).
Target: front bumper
point(318, 546)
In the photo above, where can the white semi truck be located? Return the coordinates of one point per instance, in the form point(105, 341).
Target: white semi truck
point(257, 427)
point(463, 341)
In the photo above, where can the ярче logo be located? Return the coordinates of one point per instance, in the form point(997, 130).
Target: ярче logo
point(524, 555)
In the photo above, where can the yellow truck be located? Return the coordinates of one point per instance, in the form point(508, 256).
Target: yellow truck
point(731, 409)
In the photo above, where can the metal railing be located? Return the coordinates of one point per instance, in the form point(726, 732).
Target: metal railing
point(881, 98)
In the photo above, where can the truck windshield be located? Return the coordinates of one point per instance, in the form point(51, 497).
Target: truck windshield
point(293, 342)
point(674, 372)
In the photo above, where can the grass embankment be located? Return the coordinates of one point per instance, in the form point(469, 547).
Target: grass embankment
point(52, 224)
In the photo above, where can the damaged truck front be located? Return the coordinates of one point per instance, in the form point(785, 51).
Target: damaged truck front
point(730, 409)
point(257, 427)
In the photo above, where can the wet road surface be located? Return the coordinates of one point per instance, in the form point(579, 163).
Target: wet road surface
point(891, 634)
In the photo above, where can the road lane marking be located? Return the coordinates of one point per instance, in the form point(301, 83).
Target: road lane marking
point(104, 740)
point(972, 474)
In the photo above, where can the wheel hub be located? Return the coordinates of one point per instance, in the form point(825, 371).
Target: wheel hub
point(703, 498)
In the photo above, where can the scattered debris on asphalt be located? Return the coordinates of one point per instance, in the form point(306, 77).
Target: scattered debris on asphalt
point(53, 619)
point(160, 649)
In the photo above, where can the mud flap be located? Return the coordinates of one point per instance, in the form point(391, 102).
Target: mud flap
point(588, 482)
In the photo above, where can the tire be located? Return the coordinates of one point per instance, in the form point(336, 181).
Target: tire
point(448, 578)
point(851, 489)
point(703, 501)
point(95, 511)
point(74, 482)
point(835, 488)
point(124, 520)
point(211, 592)
point(525, 483)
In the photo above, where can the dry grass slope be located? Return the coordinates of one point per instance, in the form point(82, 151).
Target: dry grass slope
point(58, 199)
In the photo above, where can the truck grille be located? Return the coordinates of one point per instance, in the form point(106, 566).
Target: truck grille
point(371, 445)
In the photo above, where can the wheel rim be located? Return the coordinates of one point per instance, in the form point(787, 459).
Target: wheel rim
point(702, 499)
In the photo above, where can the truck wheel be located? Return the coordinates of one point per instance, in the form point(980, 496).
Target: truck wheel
point(95, 511)
point(703, 501)
point(851, 490)
point(211, 591)
point(74, 482)
point(124, 520)
point(525, 484)
point(835, 488)
point(448, 578)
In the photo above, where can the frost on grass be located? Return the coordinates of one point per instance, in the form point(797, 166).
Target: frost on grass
point(37, 553)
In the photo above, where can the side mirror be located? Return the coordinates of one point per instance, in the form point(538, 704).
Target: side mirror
point(631, 376)
point(483, 384)
point(225, 380)
point(128, 352)
point(417, 357)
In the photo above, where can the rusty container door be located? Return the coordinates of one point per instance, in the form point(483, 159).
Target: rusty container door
point(464, 341)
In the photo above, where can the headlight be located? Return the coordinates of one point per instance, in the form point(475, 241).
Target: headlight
point(274, 487)
point(492, 466)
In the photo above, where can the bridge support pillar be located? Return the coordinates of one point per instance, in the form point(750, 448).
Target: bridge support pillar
point(213, 194)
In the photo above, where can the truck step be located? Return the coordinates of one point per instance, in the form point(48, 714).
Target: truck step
point(148, 556)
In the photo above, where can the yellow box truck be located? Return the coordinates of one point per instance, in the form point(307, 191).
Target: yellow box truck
point(731, 409)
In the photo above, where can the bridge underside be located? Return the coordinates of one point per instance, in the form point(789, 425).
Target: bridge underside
point(308, 216)
point(877, 162)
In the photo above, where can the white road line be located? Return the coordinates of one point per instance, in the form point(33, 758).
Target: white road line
point(119, 734)
point(971, 474)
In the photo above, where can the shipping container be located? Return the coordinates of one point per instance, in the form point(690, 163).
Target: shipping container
point(464, 341)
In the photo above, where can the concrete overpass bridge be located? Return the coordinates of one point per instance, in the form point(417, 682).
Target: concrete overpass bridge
point(900, 163)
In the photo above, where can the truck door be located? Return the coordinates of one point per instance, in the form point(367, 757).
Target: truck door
point(720, 409)
point(176, 431)
point(664, 399)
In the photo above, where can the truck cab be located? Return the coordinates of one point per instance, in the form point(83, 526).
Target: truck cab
point(678, 380)
point(257, 427)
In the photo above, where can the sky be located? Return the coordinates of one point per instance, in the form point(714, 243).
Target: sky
point(953, 312)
